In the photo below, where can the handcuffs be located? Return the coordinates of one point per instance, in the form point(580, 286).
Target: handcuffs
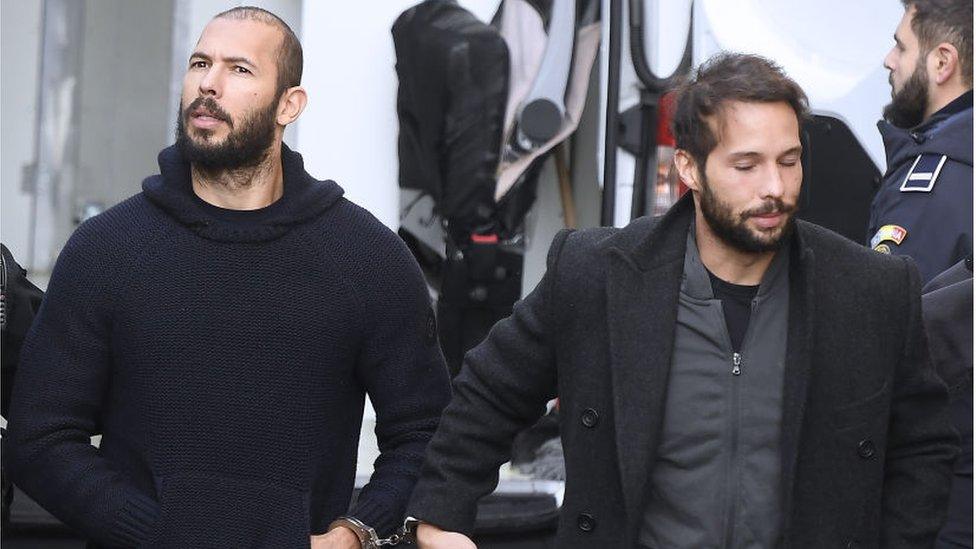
point(369, 539)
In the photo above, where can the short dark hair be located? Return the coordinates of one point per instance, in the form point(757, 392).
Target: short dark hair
point(723, 78)
point(290, 58)
point(951, 21)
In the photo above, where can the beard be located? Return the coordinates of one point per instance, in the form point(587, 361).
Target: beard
point(732, 229)
point(245, 147)
point(907, 107)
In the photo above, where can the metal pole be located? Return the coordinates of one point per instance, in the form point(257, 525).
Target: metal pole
point(56, 134)
point(612, 125)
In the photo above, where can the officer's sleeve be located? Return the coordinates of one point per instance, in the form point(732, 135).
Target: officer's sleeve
point(503, 387)
point(921, 444)
point(60, 388)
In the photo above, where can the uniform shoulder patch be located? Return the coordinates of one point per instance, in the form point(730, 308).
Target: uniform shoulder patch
point(888, 233)
point(923, 173)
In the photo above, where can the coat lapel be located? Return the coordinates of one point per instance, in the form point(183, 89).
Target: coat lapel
point(642, 298)
point(799, 345)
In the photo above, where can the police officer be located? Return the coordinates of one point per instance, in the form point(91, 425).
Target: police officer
point(924, 207)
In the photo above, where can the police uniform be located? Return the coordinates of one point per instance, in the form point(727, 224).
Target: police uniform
point(924, 208)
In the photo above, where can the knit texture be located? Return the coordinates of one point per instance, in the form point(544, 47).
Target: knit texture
point(225, 359)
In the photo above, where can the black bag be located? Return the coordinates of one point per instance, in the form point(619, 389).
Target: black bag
point(453, 85)
point(19, 301)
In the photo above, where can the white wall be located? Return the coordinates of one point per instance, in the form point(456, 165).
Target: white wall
point(20, 52)
point(123, 101)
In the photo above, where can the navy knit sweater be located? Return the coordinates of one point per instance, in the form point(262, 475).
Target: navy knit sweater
point(224, 356)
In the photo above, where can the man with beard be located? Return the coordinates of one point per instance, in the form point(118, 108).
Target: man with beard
point(924, 207)
point(728, 375)
point(221, 329)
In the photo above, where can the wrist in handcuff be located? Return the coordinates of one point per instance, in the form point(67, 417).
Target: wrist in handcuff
point(369, 539)
point(366, 534)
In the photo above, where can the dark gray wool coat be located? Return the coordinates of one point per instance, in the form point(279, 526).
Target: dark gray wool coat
point(867, 444)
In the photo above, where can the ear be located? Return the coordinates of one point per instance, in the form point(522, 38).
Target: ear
point(687, 169)
point(944, 62)
point(291, 104)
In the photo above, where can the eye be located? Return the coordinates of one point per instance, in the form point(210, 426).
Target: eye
point(241, 70)
point(744, 168)
point(789, 162)
point(198, 64)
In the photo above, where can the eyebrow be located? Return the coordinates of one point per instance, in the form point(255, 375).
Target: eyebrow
point(744, 154)
point(753, 154)
point(240, 60)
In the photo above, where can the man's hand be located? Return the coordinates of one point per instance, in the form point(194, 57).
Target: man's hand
point(432, 537)
point(339, 537)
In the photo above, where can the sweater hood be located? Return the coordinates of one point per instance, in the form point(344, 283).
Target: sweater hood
point(951, 135)
point(304, 198)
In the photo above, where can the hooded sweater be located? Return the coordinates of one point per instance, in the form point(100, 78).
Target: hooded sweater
point(225, 356)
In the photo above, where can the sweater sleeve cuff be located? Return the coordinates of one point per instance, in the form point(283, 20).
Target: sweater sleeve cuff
point(377, 515)
point(449, 518)
point(136, 521)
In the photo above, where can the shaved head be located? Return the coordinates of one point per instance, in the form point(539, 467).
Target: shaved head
point(289, 50)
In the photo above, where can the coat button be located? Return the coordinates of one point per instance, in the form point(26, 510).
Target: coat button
point(865, 449)
point(586, 522)
point(590, 418)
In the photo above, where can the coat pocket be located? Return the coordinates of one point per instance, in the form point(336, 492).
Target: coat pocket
point(208, 511)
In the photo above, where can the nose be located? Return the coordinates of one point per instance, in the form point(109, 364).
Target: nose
point(774, 184)
point(210, 83)
point(889, 60)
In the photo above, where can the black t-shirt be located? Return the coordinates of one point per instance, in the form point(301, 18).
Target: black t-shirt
point(240, 217)
point(737, 305)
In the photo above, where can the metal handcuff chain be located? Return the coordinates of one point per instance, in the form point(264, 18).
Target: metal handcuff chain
point(371, 540)
point(406, 534)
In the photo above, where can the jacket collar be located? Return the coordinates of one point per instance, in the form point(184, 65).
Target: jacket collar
point(698, 284)
point(647, 247)
point(948, 131)
point(957, 105)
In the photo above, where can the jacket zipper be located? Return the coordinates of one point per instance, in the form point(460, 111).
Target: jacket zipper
point(732, 481)
point(3, 292)
point(734, 450)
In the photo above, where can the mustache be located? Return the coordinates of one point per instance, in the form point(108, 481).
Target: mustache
point(771, 206)
point(210, 105)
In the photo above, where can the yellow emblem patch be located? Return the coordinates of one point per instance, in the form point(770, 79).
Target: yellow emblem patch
point(883, 248)
point(889, 233)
